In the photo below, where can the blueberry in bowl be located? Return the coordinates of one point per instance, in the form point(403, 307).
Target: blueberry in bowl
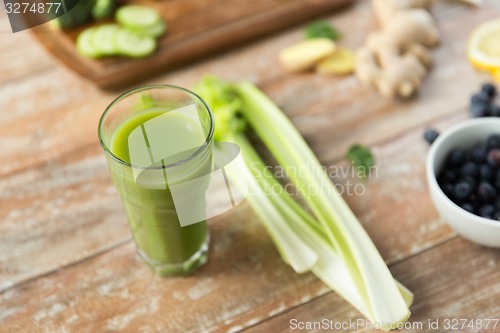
point(463, 175)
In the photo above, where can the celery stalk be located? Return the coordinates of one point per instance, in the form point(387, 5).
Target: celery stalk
point(292, 248)
point(332, 244)
point(367, 270)
point(330, 267)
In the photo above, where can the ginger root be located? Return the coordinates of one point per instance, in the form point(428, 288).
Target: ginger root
point(395, 59)
point(341, 62)
point(306, 54)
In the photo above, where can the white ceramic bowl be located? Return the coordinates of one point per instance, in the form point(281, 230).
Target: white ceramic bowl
point(464, 135)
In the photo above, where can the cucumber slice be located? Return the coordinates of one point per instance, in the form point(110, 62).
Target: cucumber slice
point(131, 44)
point(155, 30)
point(76, 16)
point(103, 39)
point(135, 16)
point(84, 44)
point(103, 9)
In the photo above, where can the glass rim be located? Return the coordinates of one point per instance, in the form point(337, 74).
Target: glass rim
point(127, 93)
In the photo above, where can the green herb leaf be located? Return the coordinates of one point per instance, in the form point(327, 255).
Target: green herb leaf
point(321, 29)
point(362, 158)
point(224, 102)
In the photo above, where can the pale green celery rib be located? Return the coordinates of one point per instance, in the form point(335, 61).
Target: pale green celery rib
point(292, 248)
point(366, 267)
point(330, 268)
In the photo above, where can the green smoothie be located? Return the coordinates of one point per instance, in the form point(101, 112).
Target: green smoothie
point(153, 141)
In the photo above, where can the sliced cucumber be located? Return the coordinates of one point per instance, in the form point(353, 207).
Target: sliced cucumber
point(134, 37)
point(84, 44)
point(76, 16)
point(103, 39)
point(103, 9)
point(155, 30)
point(131, 44)
point(137, 17)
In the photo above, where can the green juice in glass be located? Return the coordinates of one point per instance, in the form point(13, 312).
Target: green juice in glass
point(161, 138)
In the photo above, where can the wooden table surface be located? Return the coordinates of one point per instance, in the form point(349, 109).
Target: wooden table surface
point(67, 261)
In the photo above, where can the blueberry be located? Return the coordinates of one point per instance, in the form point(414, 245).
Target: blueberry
point(468, 207)
point(469, 169)
point(447, 189)
point(496, 180)
point(461, 191)
point(494, 157)
point(473, 200)
point(480, 110)
point(430, 135)
point(486, 172)
point(486, 192)
point(480, 98)
point(494, 141)
point(478, 154)
point(456, 157)
point(489, 90)
point(495, 111)
point(496, 204)
point(486, 211)
point(496, 216)
point(447, 176)
point(470, 180)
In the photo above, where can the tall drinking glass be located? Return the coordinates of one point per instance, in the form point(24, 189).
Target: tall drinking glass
point(156, 138)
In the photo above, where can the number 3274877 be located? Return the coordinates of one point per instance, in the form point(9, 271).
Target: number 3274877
point(34, 7)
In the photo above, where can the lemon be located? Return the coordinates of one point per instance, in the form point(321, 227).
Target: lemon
point(484, 46)
point(496, 75)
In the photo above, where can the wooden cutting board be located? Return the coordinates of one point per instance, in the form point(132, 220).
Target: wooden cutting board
point(197, 28)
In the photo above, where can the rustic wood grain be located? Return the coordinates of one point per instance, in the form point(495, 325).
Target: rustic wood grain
point(56, 214)
point(455, 280)
point(65, 97)
point(43, 130)
point(318, 105)
point(198, 29)
point(72, 194)
point(390, 211)
point(66, 259)
point(128, 290)
point(325, 104)
point(15, 52)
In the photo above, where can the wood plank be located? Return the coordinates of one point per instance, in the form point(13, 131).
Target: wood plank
point(197, 29)
point(394, 206)
point(393, 250)
point(67, 98)
point(114, 291)
point(456, 280)
point(17, 52)
point(324, 110)
point(57, 214)
point(321, 107)
point(390, 208)
point(45, 107)
point(59, 117)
